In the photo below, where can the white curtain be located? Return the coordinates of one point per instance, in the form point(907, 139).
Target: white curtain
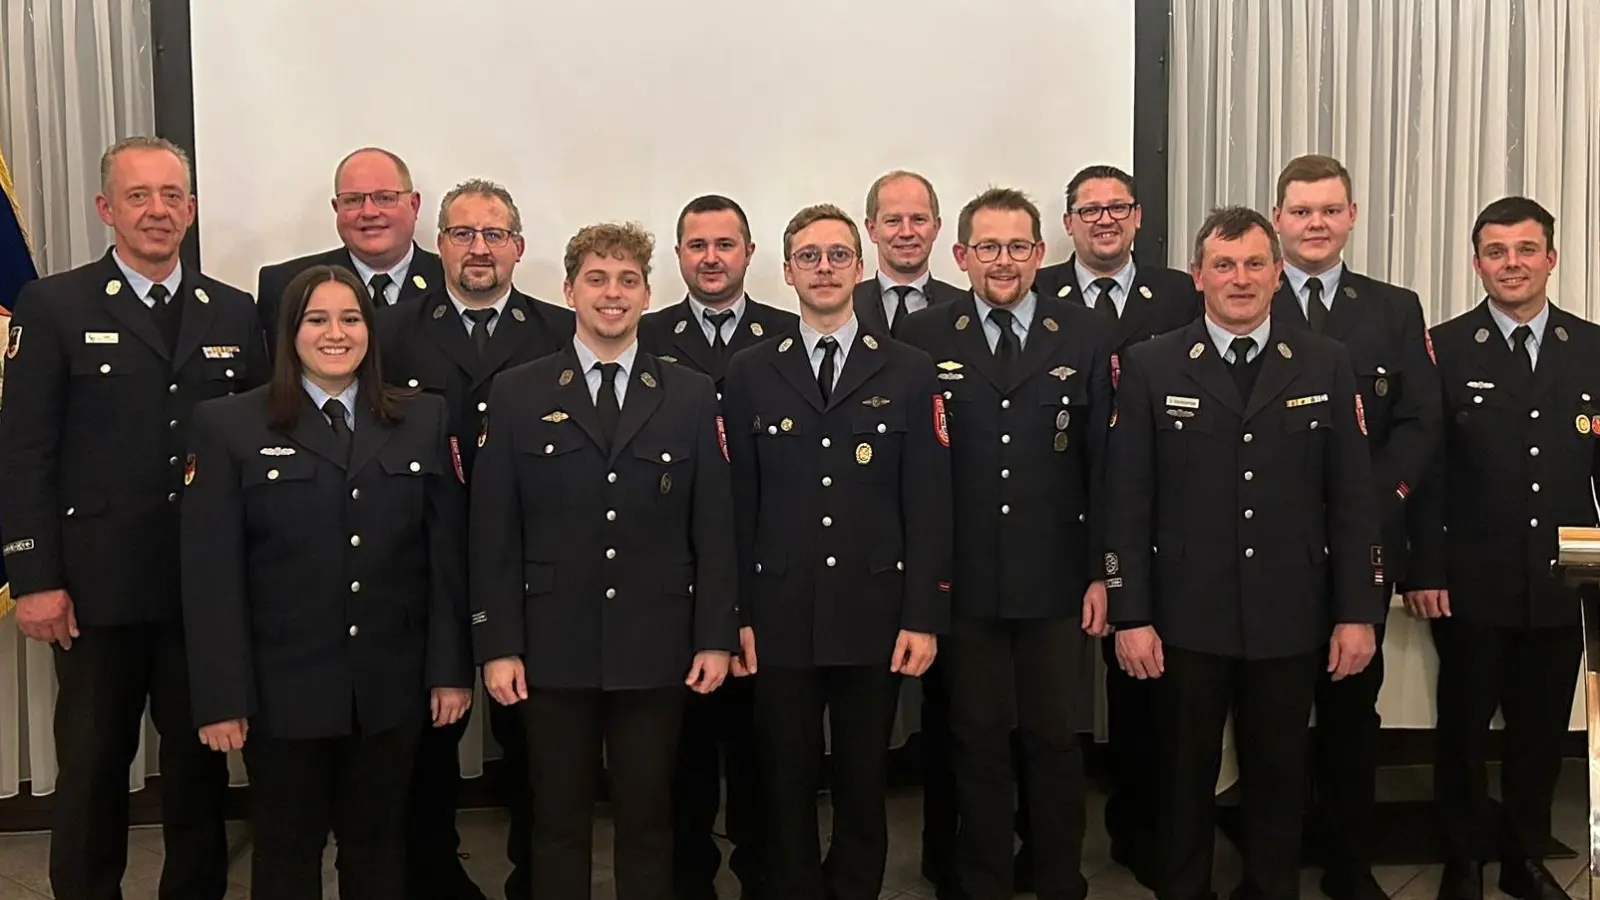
point(1436, 107)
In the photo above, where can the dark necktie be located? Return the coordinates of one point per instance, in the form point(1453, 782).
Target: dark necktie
point(1103, 304)
point(1008, 349)
point(335, 411)
point(718, 345)
point(1316, 310)
point(901, 292)
point(1520, 336)
point(605, 401)
point(166, 314)
point(829, 347)
point(1240, 368)
point(480, 327)
point(379, 285)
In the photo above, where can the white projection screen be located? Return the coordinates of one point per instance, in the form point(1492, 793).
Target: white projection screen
point(625, 109)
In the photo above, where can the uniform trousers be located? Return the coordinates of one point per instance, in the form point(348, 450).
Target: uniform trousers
point(1528, 675)
point(718, 736)
point(356, 786)
point(103, 683)
point(1132, 742)
point(566, 730)
point(1345, 748)
point(860, 705)
point(1271, 703)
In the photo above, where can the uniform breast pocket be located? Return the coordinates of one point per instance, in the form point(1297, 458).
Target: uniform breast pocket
point(1182, 426)
point(278, 490)
point(667, 467)
point(1307, 429)
point(406, 474)
point(876, 439)
point(777, 438)
point(550, 461)
point(110, 370)
point(224, 376)
point(1066, 410)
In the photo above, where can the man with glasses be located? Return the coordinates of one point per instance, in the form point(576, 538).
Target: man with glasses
point(1139, 301)
point(902, 222)
point(375, 212)
point(842, 505)
point(453, 341)
point(1027, 380)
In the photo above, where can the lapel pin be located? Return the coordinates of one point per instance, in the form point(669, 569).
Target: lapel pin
point(1144, 291)
point(519, 315)
point(1063, 419)
point(787, 424)
point(420, 282)
point(1063, 372)
point(438, 311)
point(787, 343)
point(670, 359)
point(875, 402)
point(1350, 292)
point(200, 294)
point(1381, 387)
point(678, 328)
point(961, 323)
point(1285, 351)
point(863, 453)
point(1561, 333)
point(1065, 290)
point(647, 379)
point(870, 341)
point(113, 287)
point(1050, 324)
point(756, 329)
point(949, 365)
point(1196, 350)
point(566, 377)
point(1481, 335)
point(558, 417)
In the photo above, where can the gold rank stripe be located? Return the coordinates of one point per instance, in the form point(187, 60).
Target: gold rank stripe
point(1306, 401)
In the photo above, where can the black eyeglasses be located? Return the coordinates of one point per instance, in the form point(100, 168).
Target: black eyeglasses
point(462, 236)
point(353, 200)
point(1117, 212)
point(809, 257)
point(989, 251)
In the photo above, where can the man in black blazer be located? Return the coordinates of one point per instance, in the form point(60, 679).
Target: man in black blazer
point(452, 342)
point(841, 494)
point(1521, 449)
point(375, 211)
point(715, 320)
point(603, 568)
point(1242, 553)
point(106, 363)
point(1102, 218)
point(1381, 326)
point(903, 222)
point(1027, 381)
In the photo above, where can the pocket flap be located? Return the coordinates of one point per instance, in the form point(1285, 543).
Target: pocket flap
point(267, 470)
point(881, 421)
point(661, 452)
point(406, 464)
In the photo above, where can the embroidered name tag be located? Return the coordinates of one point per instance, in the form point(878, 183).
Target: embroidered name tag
point(1183, 402)
point(222, 352)
point(101, 337)
point(1306, 401)
point(21, 546)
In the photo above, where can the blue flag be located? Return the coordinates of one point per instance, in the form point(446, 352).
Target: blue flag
point(16, 270)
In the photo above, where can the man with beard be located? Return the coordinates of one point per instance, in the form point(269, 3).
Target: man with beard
point(1382, 327)
point(453, 341)
point(717, 318)
point(105, 366)
point(603, 568)
point(1102, 218)
point(375, 212)
point(1028, 383)
point(902, 222)
point(702, 332)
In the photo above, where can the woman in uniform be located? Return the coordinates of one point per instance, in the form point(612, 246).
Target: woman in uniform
point(324, 593)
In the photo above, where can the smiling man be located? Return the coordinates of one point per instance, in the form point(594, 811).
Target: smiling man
point(375, 212)
point(903, 223)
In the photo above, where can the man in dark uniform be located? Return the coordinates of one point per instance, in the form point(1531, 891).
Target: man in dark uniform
point(106, 363)
point(1521, 405)
point(603, 568)
point(841, 492)
point(702, 333)
point(375, 210)
point(1382, 328)
point(1027, 380)
point(902, 222)
point(1242, 553)
point(1102, 218)
point(473, 325)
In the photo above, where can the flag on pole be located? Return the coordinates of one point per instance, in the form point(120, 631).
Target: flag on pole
point(16, 270)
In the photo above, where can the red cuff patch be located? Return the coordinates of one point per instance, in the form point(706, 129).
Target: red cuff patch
point(1427, 340)
point(941, 425)
point(944, 587)
point(1361, 415)
point(1402, 490)
point(455, 458)
point(722, 439)
point(1377, 565)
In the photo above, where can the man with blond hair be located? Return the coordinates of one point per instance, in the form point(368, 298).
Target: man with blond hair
point(903, 223)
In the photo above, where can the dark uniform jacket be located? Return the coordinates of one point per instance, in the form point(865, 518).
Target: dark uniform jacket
point(1518, 461)
point(1241, 528)
point(425, 273)
point(868, 300)
point(844, 507)
point(602, 568)
point(427, 347)
point(1381, 326)
point(94, 430)
point(322, 598)
point(1027, 455)
point(673, 333)
point(1160, 300)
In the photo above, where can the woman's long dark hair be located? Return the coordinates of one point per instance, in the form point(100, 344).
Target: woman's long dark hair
point(286, 397)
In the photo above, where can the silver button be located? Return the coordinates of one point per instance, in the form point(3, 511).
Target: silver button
point(1249, 476)
point(1005, 509)
point(1249, 552)
point(355, 587)
point(1005, 404)
point(1533, 451)
point(827, 481)
point(611, 553)
point(227, 373)
point(1248, 437)
point(1080, 517)
point(1178, 426)
point(411, 383)
point(272, 474)
point(355, 540)
point(1066, 401)
point(105, 368)
point(772, 429)
point(1005, 438)
point(1382, 371)
point(826, 443)
point(483, 407)
point(1313, 424)
point(72, 510)
point(882, 428)
point(719, 396)
point(900, 566)
point(666, 457)
point(172, 389)
point(1005, 473)
point(611, 478)
point(1586, 398)
point(1249, 514)
point(832, 562)
point(172, 461)
point(355, 630)
point(173, 423)
point(758, 568)
point(355, 493)
point(827, 521)
point(1477, 398)
point(948, 395)
point(1533, 414)
point(549, 449)
point(1534, 523)
point(1536, 487)
point(416, 466)
point(611, 515)
point(611, 593)
point(172, 498)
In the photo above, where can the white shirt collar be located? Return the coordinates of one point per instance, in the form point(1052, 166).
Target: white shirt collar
point(499, 306)
point(1222, 338)
point(845, 335)
point(1330, 281)
point(587, 358)
point(919, 284)
point(698, 311)
point(396, 272)
point(1507, 324)
point(1123, 278)
point(1022, 310)
point(320, 397)
point(141, 285)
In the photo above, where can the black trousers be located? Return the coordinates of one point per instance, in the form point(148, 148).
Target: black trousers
point(1528, 674)
point(789, 706)
point(1022, 675)
point(103, 683)
point(1345, 748)
point(355, 786)
point(718, 735)
point(1132, 741)
point(432, 842)
point(939, 810)
point(566, 731)
point(1271, 702)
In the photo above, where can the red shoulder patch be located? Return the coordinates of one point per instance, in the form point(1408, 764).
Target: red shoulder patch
point(1361, 415)
point(1116, 370)
point(941, 424)
point(455, 459)
point(722, 439)
point(1427, 340)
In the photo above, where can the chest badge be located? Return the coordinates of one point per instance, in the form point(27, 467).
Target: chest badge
point(1063, 372)
point(1381, 387)
point(756, 329)
point(558, 417)
point(863, 453)
point(666, 484)
point(1050, 324)
point(1481, 335)
point(678, 328)
point(519, 315)
point(420, 282)
point(962, 323)
point(1584, 425)
point(1196, 350)
point(200, 294)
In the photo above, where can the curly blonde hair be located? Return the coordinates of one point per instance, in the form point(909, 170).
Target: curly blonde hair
point(622, 240)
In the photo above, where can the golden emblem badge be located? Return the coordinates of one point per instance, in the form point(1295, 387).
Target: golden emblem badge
point(1196, 350)
point(420, 282)
point(1060, 443)
point(519, 315)
point(1584, 426)
point(863, 453)
point(787, 343)
point(962, 323)
point(1284, 350)
point(787, 424)
point(566, 377)
point(113, 287)
point(756, 329)
point(200, 294)
point(678, 328)
point(870, 341)
point(647, 379)
point(1050, 324)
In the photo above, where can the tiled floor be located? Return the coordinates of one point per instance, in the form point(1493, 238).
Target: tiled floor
point(23, 875)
